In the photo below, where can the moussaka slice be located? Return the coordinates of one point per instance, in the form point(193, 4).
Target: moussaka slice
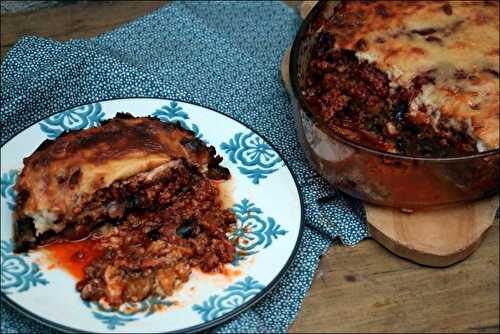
point(73, 184)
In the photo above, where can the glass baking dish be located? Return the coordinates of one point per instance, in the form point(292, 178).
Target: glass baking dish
point(375, 176)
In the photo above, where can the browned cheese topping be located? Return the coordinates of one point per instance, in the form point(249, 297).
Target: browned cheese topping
point(412, 77)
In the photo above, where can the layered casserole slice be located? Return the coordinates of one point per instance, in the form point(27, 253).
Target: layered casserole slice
point(143, 191)
point(71, 184)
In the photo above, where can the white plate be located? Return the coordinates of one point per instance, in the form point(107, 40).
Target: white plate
point(266, 202)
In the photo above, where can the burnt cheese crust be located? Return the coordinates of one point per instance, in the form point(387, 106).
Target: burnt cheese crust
point(414, 77)
point(70, 185)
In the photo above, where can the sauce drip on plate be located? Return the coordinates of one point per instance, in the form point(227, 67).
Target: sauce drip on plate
point(74, 256)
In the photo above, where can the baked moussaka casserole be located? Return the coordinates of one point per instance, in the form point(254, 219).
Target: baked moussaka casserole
point(417, 78)
point(144, 190)
point(396, 102)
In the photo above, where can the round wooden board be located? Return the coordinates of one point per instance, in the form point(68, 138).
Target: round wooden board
point(436, 238)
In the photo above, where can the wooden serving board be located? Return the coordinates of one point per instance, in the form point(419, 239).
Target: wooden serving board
point(437, 238)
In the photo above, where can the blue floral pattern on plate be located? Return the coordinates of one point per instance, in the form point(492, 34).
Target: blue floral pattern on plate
point(17, 274)
point(255, 230)
point(7, 188)
point(113, 318)
point(232, 297)
point(173, 112)
point(252, 232)
point(256, 157)
point(77, 118)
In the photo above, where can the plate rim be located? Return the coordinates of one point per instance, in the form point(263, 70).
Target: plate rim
point(212, 323)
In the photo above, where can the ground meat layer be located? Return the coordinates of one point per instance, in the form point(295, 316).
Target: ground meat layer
point(147, 190)
point(152, 252)
point(356, 99)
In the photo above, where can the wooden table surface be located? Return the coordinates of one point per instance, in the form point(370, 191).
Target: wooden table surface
point(356, 289)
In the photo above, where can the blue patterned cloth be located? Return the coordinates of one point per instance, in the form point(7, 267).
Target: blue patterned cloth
point(224, 55)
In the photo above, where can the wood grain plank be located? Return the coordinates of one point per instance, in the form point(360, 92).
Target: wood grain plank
point(83, 19)
point(367, 289)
